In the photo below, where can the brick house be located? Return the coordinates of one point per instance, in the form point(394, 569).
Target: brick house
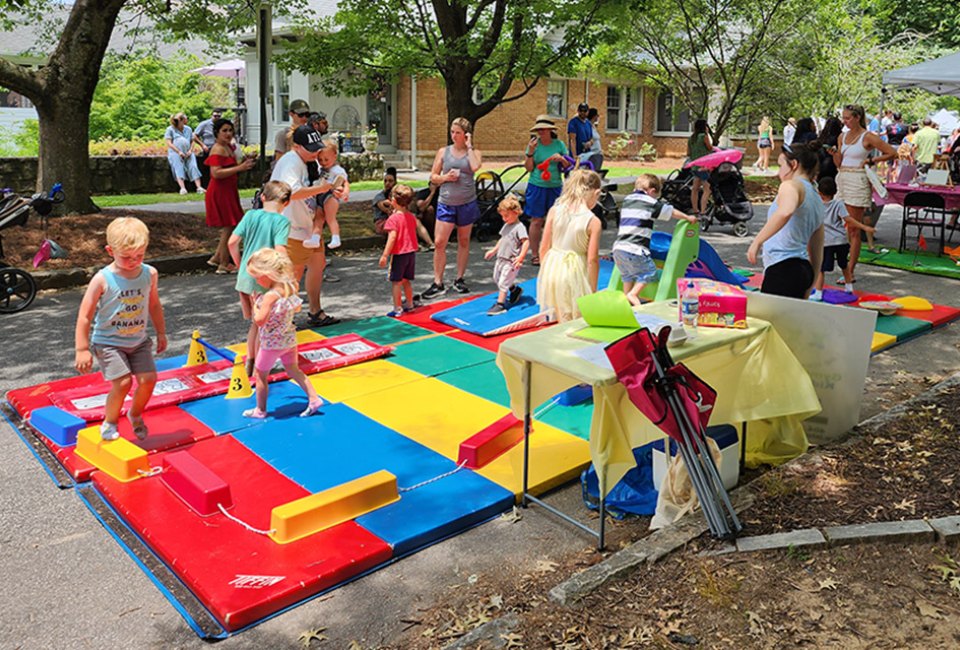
point(411, 117)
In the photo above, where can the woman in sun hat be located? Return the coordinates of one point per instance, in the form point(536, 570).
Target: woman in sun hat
point(546, 150)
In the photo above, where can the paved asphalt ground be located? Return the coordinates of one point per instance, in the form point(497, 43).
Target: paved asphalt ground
point(68, 584)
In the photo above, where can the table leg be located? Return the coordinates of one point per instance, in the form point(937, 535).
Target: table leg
point(603, 508)
point(743, 446)
point(526, 431)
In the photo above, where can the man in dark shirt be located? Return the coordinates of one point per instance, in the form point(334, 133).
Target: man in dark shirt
point(579, 131)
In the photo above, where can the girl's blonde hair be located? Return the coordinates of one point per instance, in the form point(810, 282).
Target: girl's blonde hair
point(764, 122)
point(579, 186)
point(272, 264)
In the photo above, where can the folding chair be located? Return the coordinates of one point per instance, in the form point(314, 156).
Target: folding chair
point(923, 209)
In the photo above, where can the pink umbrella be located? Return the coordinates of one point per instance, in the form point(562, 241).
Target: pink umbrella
point(717, 158)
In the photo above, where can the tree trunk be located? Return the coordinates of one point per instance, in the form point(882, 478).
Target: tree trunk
point(460, 103)
point(64, 152)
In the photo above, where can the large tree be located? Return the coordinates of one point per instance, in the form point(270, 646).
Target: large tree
point(62, 88)
point(708, 53)
point(501, 48)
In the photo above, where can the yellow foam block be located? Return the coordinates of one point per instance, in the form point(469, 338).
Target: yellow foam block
point(881, 341)
point(316, 512)
point(445, 416)
point(118, 458)
point(362, 379)
point(914, 303)
point(303, 336)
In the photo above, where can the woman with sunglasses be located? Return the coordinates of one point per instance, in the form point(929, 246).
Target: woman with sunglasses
point(792, 238)
point(853, 154)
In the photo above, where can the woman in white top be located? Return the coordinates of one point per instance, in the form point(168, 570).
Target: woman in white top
point(852, 156)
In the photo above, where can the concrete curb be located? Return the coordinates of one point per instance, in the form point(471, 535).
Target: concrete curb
point(172, 265)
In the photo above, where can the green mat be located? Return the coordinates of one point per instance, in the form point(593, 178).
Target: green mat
point(486, 380)
point(921, 262)
point(381, 330)
point(901, 326)
point(439, 354)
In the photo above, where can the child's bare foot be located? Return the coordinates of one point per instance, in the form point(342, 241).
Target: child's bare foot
point(255, 413)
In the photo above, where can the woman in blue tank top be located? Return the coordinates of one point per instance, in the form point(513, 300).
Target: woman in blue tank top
point(792, 238)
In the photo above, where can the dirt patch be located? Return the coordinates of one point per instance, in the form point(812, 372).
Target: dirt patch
point(761, 190)
point(171, 233)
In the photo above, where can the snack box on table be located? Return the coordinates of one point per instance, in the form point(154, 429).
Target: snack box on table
point(721, 304)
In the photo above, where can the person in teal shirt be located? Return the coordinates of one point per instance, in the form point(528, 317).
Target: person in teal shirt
point(545, 160)
point(266, 228)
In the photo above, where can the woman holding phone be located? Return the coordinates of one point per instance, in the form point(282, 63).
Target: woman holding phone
point(222, 200)
point(545, 159)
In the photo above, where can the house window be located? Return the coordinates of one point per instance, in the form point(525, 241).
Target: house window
point(557, 97)
point(672, 117)
point(614, 110)
point(281, 94)
point(624, 109)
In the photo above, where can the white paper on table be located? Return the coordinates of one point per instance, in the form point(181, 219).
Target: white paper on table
point(595, 354)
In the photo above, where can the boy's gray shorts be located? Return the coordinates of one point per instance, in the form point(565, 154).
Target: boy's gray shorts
point(115, 362)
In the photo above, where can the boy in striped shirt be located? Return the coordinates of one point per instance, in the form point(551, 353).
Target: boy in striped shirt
point(631, 252)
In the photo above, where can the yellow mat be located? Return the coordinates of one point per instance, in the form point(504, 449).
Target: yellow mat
point(373, 376)
point(440, 417)
point(882, 341)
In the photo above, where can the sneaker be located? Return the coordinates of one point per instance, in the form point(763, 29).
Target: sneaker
point(434, 291)
point(139, 428)
point(255, 413)
point(497, 309)
point(312, 242)
point(848, 288)
point(396, 313)
point(816, 296)
point(415, 305)
point(312, 409)
point(514, 295)
point(183, 190)
point(460, 286)
point(109, 431)
point(334, 242)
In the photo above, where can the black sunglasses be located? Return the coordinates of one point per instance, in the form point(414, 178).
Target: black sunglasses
point(302, 114)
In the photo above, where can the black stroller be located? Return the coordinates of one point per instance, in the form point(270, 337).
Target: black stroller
point(676, 190)
point(17, 287)
point(491, 189)
point(730, 204)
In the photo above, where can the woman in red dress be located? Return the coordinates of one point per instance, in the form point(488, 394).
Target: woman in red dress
point(222, 198)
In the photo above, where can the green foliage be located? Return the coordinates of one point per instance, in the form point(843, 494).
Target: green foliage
point(22, 143)
point(136, 96)
point(938, 21)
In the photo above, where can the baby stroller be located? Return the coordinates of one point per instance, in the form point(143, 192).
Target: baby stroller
point(677, 188)
point(491, 190)
point(17, 287)
point(730, 204)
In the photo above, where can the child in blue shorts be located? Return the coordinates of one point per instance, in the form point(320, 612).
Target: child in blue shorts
point(401, 229)
point(631, 252)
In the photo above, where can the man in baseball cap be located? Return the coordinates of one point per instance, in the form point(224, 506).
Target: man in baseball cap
point(299, 112)
point(579, 130)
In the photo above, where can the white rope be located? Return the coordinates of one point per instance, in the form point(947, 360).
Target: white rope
point(546, 407)
point(435, 478)
point(243, 523)
point(153, 471)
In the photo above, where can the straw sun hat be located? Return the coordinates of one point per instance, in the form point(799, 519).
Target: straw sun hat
point(543, 122)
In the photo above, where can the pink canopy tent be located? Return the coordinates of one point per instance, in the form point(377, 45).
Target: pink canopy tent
point(231, 69)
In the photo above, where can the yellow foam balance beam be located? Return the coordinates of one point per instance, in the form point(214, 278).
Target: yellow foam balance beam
point(118, 458)
point(445, 416)
point(345, 502)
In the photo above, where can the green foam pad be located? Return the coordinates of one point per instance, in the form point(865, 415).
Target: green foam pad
point(382, 330)
point(439, 354)
point(901, 326)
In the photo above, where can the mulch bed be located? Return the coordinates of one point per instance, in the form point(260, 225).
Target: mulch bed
point(171, 233)
point(908, 470)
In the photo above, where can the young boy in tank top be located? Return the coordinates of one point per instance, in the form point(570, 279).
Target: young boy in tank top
point(120, 300)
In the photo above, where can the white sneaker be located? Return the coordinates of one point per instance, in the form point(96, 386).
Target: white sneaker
point(816, 296)
point(109, 431)
point(334, 241)
point(848, 287)
point(183, 190)
point(312, 242)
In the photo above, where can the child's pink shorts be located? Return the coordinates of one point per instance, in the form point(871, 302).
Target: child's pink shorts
point(267, 358)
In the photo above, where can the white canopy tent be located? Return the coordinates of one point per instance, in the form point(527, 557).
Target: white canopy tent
point(940, 76)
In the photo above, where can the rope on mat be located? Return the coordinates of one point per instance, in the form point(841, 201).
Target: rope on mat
point(431, 480)
point(243, 523)
point(153, 471)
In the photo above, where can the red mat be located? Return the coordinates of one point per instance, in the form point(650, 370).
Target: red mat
point(240, 576)
point(26, 400)
point(422, 316)
point(194, 382)
point(939, 315)
point(170, 427)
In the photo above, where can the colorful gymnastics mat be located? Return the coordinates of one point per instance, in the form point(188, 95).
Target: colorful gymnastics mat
point(236, 520)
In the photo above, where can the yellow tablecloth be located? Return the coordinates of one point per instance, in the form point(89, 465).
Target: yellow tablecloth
point(757, 379)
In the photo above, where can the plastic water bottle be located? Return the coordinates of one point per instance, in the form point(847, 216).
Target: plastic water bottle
point(690, 309)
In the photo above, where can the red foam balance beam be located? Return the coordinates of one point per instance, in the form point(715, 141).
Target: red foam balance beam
point(483, 447)
point(196, 485)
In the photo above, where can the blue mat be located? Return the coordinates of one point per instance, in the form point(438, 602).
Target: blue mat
point(286, 400)
point(471, 316)
point(311, 452)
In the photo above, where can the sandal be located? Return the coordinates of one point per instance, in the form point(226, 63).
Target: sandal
point(842, 282)
point(321, 319)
